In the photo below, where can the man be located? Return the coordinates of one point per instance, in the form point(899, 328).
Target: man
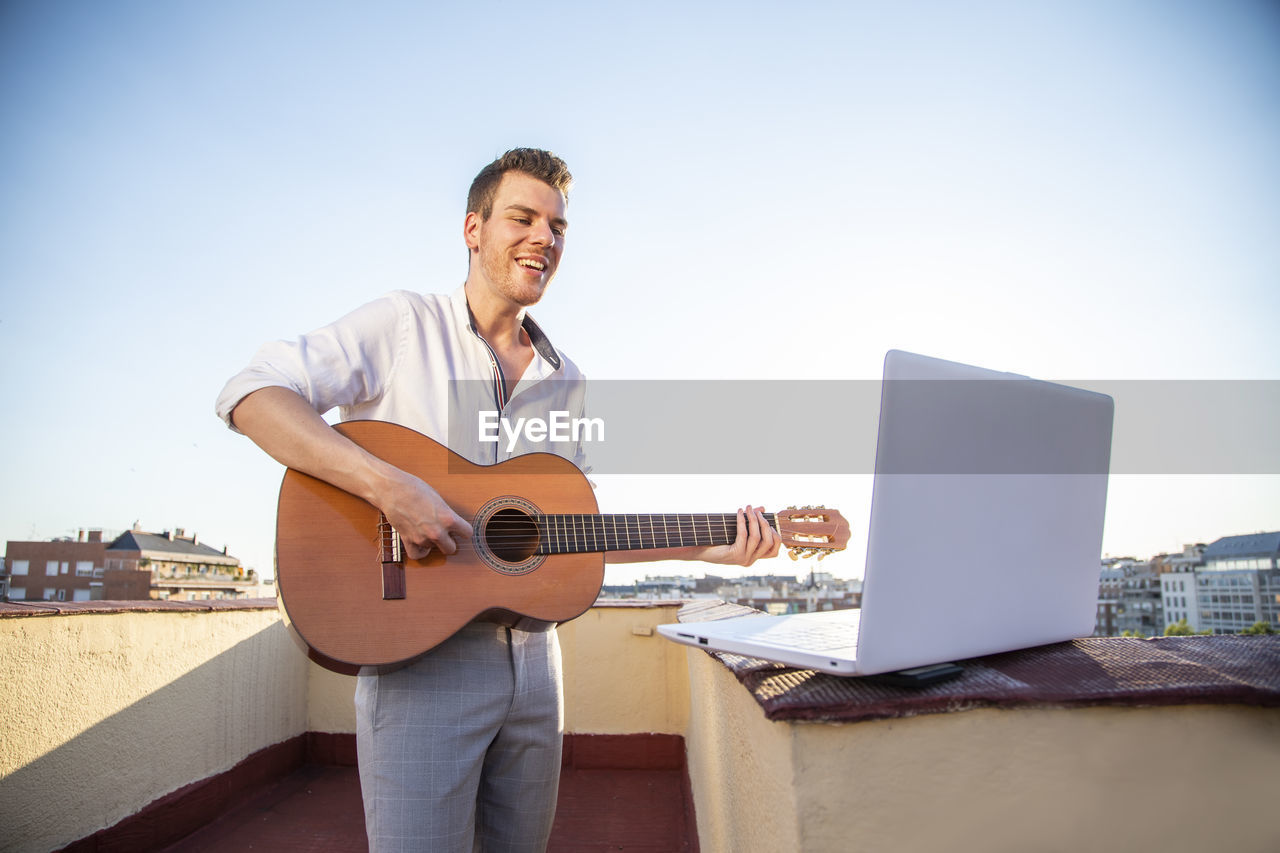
point(462, 748)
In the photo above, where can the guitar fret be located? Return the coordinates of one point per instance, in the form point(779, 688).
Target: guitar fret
point(590, 533)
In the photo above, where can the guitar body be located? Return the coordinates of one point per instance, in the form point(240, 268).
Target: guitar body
point(353, 608)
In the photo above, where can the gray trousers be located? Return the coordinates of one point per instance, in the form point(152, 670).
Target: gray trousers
point(460, 751)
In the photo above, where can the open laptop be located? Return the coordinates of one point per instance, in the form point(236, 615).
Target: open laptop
point(986, 528)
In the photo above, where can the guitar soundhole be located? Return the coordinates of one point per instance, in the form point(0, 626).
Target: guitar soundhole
point(512, 536)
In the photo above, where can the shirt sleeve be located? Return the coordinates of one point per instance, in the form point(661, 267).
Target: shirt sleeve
point(344, 363)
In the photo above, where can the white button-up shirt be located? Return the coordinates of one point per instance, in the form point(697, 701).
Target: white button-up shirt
point(417, 360)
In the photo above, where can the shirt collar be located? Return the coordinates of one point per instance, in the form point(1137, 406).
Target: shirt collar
point(537, 337)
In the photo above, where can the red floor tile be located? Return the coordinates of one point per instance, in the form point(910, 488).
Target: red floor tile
point(319, 809)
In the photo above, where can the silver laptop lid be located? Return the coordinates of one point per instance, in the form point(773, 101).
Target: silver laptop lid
point(987, 513)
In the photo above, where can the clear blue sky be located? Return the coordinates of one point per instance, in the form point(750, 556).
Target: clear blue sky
point(1073, 190)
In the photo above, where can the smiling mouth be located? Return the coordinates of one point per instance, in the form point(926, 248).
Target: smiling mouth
point(532, 264)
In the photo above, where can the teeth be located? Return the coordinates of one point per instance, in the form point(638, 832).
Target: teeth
point(526, 262)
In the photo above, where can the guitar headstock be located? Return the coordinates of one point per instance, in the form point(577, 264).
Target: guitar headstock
point(812, 530)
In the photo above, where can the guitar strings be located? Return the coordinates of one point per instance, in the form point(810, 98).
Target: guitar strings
point(572, 527)
point(576, 529)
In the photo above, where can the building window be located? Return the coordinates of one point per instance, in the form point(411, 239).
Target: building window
point(20, 567)
point(17, 593)
point(84, 568)
point(51, 567)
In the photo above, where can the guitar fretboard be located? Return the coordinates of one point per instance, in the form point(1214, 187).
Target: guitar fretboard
point(576, 534)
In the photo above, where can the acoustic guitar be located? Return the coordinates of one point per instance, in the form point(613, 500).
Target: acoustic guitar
point(353, 598)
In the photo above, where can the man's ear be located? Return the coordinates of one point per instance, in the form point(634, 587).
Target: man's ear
point(471, 230)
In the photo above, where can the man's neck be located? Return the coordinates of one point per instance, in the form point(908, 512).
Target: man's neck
point(497, 320)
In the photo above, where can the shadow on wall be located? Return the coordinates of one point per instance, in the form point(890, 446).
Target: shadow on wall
point(251, 696)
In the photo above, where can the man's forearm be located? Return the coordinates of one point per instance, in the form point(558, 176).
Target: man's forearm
point(291, 432)
point(284, 425)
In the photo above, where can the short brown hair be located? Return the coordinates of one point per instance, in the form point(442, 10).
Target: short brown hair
point(533, 162)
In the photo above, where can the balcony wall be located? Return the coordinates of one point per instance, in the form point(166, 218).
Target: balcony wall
point(1184, 778)
point(105, 710)
point(109, 709)
point(109, 706)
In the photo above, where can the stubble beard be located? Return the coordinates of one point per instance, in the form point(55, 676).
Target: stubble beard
point(499, 268)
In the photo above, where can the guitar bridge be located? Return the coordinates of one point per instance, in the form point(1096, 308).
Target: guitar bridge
point(393, 585)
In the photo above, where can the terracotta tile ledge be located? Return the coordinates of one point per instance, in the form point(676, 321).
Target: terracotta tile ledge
point(641, 603)
point(14, 609)
point(10, 609)
point(1222, 669)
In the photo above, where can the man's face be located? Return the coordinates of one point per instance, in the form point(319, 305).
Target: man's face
point(520, 244)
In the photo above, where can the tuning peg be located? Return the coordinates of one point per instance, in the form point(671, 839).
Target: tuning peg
point(791, 552)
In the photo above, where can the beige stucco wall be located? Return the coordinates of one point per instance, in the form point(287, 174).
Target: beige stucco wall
point(330, 701)
point(620, 677)
point(104, 713)
point(739, 766)
point(1186, 778)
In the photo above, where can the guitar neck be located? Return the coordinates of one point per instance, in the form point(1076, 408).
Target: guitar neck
point(576, 534)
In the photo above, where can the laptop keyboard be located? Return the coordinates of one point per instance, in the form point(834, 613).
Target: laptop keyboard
point(815, 635)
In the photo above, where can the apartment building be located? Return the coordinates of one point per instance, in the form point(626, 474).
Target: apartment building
point(1141, 608)
point(57, 570)
point(1239, 584)
point(1178, 586)
point(134, 566)
point(1110, 591)
point(172, 565)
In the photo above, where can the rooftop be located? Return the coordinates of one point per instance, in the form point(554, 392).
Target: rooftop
point(166, 543)
point(1248, 545)
point(220, 735)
